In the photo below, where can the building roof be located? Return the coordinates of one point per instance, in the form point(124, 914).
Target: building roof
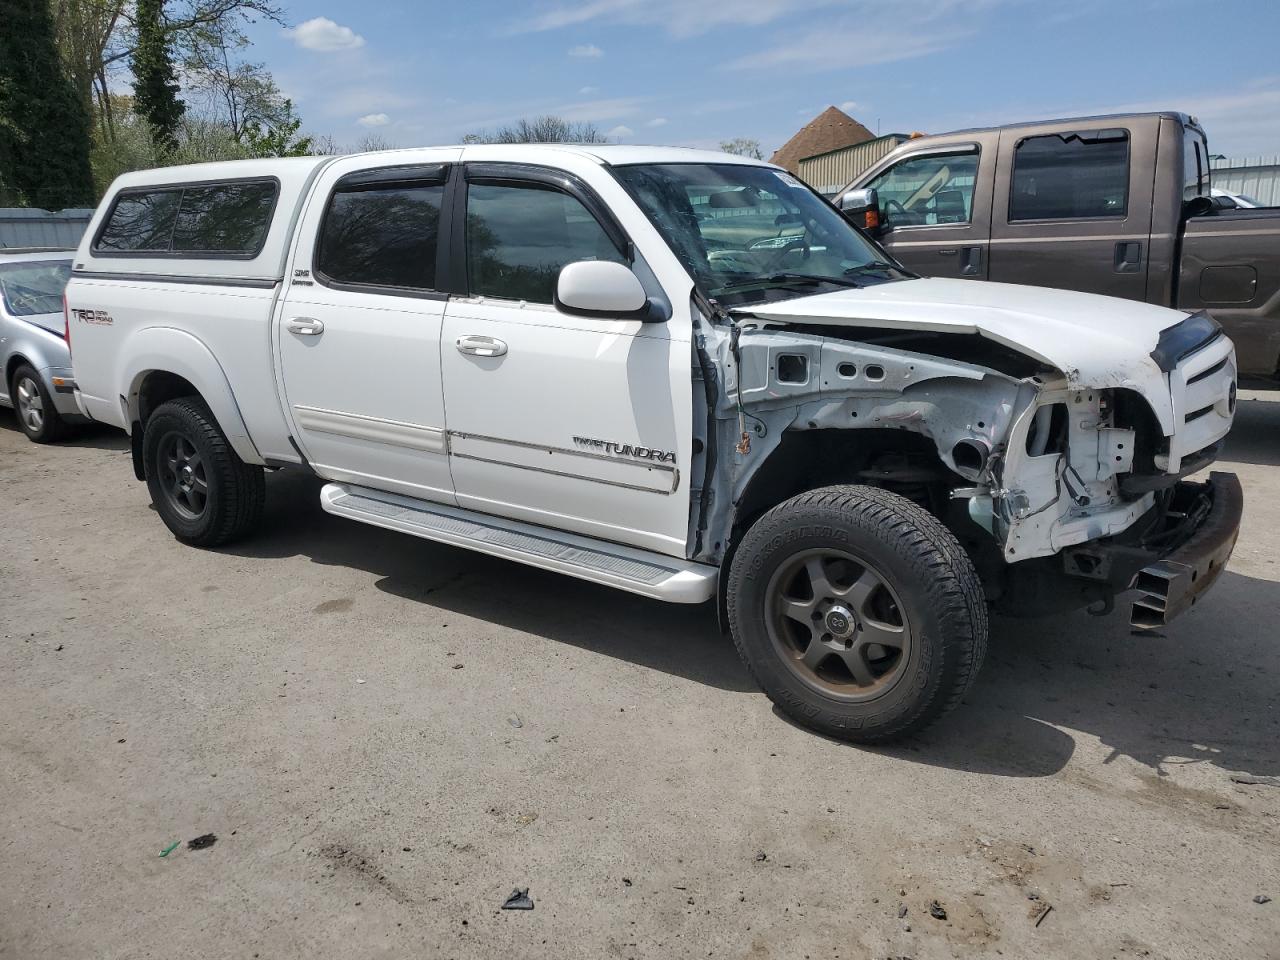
point(829, 130)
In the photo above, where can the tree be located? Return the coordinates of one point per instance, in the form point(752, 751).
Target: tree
point(743, 147)
point(44, 128)
point(242, 94)
point(155, 87)
point(544, 129)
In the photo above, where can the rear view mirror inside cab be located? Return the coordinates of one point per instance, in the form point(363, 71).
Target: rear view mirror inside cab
point(743, 197)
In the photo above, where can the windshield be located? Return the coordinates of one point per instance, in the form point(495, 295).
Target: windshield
point(35, 287)
point(749, 234)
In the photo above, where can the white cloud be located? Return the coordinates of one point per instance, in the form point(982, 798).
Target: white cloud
point(587, 51)
point(587, 91)
point(374, 120)
point(325, 36)
point(657, 122)
point(848, 105)
point(619, 132)
point(835, 49)
point(680, 17)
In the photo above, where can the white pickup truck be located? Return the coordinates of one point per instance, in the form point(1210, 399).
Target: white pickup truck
point(676, 373)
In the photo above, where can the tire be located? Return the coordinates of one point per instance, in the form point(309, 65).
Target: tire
point(823, 586)
point(33, 405)
point(205, 494)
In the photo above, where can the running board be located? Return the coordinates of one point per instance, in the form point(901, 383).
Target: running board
point(636, 571)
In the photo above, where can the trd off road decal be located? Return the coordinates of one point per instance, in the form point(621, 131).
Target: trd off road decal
point(99, 317)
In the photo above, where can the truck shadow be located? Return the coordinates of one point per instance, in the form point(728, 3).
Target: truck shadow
point(1204, 692)
point(93, 436)
point(1255, 434)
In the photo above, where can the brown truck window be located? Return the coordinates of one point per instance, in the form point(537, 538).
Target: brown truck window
point(1071, 176)
point(928, 190)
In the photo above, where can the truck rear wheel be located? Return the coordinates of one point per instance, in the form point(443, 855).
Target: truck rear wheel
point(857, 612)
point(205, 494)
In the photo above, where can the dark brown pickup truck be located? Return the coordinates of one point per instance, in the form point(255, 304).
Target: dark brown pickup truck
point(1117, 205)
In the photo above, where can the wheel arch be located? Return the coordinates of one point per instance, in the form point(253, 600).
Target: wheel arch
point(165, 363)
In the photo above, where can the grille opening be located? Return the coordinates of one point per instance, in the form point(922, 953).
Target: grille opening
point(873, 371)
point(847, 370)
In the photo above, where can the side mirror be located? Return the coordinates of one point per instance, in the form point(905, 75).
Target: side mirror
point(1198, 207)
point(862, 207)
point(600, 288)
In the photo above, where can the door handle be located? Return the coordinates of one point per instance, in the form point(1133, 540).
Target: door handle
point(481, 346)
point(1128, 256)
point(305, 326)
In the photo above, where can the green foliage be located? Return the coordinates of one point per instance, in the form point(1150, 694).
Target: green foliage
point(155, 88)
point(279, 137)
point(44, 129)
point(743, 147)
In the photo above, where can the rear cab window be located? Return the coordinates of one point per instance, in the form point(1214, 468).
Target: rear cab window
point(1071, 176)
point(198, 221)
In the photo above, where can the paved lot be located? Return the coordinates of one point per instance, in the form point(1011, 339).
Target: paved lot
point(387, 736)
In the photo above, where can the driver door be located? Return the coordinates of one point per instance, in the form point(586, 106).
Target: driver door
point(935, 209)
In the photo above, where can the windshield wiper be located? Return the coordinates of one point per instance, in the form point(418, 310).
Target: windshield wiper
point(792, 278)
point(876, 266)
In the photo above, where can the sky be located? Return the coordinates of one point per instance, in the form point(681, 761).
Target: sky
point(696, 72)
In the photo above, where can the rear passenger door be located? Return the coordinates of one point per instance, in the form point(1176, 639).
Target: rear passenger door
point(1073, 209)
point(358, 329)
point(935, 208)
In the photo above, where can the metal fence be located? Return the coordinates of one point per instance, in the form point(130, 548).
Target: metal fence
point(31, 227)
point(1256, 177)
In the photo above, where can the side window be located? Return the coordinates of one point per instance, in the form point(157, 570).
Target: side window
point(201, 220)
point(1070, 176)
point(227, 218)
point(383, 235)
point(520, 236)
point(928, 190)
point(1196, 176)
point(141, 221)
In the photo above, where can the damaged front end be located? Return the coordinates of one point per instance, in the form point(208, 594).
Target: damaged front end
point(1064, 493)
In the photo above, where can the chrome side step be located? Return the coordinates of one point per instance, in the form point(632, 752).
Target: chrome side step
point(636, 571)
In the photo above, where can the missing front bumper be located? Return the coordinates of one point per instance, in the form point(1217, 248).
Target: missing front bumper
point(1172, 584)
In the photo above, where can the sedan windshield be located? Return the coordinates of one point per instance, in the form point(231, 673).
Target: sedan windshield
point(749, 234)
point(31, 288)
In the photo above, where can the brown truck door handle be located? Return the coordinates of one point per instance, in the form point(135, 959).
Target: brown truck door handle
point(971, 262)
point(1128, 256)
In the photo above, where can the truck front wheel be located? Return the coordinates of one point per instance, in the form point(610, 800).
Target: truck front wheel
point(857, 612)
point(205, 494)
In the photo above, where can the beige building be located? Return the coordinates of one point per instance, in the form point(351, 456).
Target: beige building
point(829, 172)
point(830, 130)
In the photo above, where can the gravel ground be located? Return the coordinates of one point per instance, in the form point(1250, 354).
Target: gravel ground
point(387, 736)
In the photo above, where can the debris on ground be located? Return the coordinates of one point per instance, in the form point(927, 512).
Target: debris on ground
point(761, 856)
point(937, 911)
point(902, 910)
point(170, 848)
point(457, 666)
point(202, 841)
point(1048, 909)
point(519, 900)
point(1256, 781)
point(515, 721)
point(1262, 898)
point(626, 881)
